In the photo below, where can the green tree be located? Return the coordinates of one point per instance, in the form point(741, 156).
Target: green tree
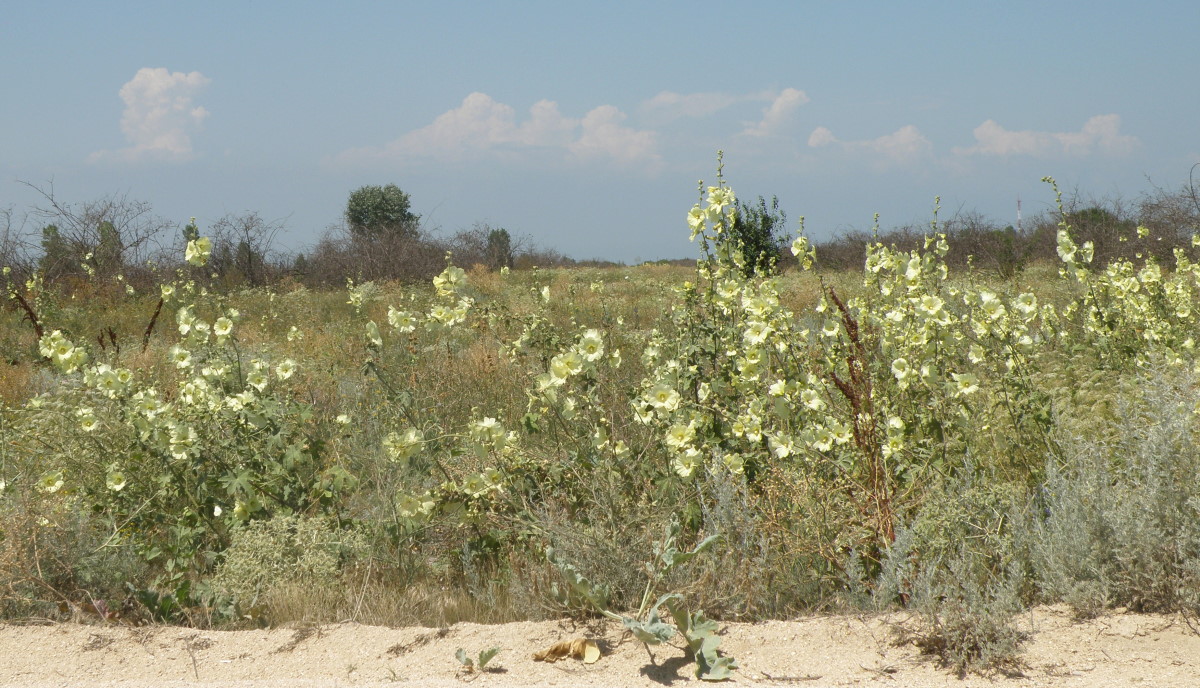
point(1105, 229)
point(499, 249)
point(300, 266)
point(250, 262)
point(376, 212)
point(108, 255)
point(191, 232)
point(1004, 249)
point(759, 231)
point(56, 253)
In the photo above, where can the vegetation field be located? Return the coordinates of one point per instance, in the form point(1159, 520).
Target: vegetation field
point(661, 445)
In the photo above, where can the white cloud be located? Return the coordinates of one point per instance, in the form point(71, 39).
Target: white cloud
point(903, 144)
point(821, 137)
point(160, 118)
point(778, 114)
point(603, 136)
point(1099, 134)
point(546, 126)
point(481, 124)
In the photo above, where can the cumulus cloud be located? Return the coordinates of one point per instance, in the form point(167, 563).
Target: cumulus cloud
point(481, 124)
point(603, 136)
point(903, 144)
point(160, 116)
point(778, 114)
point(821, 137)
point(1100, 134)
point(546, 126)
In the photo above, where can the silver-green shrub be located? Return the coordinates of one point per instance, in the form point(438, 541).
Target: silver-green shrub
point(284, 552)
point(961, 565)
point(1120, 519)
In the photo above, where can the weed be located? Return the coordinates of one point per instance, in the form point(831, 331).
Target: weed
point(477, 663)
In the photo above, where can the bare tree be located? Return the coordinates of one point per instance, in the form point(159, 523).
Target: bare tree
point(340, 255)
point(242, 246)
point(1174, 214)
point(14, 249)
point(116, 231)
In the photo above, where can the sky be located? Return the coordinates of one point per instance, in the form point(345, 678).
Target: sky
point(585, 127)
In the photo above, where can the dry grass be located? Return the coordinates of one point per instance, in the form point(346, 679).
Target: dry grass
point(15, 382)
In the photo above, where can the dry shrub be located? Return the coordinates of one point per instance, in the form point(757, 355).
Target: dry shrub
point(806, 528)
point(51, 555)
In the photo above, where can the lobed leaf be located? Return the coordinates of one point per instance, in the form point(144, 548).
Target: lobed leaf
point(652, 631)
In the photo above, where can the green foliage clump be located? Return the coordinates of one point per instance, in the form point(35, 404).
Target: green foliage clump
point(277, 554)
point(477, 663)
point(759, 231)
point(961, 566)
point(379, 212)
point(967, 621)
point(499, 249)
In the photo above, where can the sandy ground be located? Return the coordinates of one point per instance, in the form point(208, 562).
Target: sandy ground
point(1115, 650)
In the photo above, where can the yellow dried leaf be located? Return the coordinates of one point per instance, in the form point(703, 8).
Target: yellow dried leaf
point(590, 653)
point(579, 648)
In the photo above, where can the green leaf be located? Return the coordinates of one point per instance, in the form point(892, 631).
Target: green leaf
point(652, 631)
point(485, 656)
point(702, 628)
point(719, 670)
point(463, 659)
point(703, 641)
point(678, 612)
point(670, 600)
point(530, 422)
point(578, 582)
point(684, 557)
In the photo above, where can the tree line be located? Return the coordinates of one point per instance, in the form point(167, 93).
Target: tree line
point(381, 238)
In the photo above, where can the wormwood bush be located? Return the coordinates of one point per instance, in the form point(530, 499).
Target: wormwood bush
point(1121, 515)
point(967, 617)
point(278, 553)
point(607, 537)
point(963, 567)
point(735, 580)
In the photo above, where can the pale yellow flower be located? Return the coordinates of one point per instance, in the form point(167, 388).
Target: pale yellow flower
point(591, 345)
point(285, 369)
point(222, 326)
point(50, 482)
point(198, 251)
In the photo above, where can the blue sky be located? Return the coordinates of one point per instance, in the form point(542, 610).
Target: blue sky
point(586, 126)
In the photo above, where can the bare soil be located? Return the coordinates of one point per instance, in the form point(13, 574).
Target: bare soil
point(1116, 650)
